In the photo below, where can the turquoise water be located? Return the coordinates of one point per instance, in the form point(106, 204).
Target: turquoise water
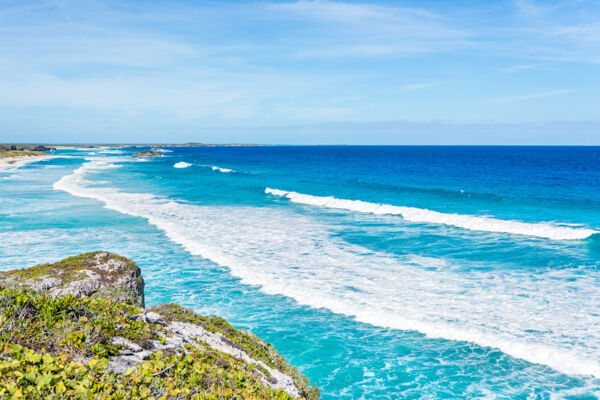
point(460, 272)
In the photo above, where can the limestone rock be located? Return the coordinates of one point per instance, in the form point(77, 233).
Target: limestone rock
point(99, 274)
point(180, 333)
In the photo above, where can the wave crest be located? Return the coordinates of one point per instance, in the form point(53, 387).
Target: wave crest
point(181, 164)
point(224, 170)
point(470, 222)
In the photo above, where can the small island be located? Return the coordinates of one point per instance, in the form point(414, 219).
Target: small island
point(147, 154)
point(78, 329)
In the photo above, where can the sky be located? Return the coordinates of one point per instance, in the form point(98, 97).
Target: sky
point(300, 72)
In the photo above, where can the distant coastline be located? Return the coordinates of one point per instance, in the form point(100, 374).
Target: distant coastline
point(12, 154)
point(49, 147)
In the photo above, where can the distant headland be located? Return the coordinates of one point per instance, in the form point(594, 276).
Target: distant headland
point(51, 147)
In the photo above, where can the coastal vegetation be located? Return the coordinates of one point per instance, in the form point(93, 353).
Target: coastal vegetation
point(59, 341)
point(20, 153)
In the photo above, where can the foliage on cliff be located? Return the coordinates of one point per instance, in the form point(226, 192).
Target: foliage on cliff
point(250, 343)
point(66, 346)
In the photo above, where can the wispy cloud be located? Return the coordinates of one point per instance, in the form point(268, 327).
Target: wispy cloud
point(255, 63)
point(532, 96)
point(367, 30)
point(567, 31)
point(419, 86)
point(529, 8)
point(522, 67)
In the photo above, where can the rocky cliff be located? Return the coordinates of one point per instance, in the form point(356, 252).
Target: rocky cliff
point(98, 275)
point(77, 329)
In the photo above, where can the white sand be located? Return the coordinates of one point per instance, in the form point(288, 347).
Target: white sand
point(15, 162)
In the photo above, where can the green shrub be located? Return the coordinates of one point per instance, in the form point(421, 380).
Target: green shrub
point(46, 341)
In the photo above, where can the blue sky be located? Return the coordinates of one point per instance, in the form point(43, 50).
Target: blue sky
point(305, 72)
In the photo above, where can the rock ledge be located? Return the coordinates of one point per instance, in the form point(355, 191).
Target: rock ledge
point(98, 274)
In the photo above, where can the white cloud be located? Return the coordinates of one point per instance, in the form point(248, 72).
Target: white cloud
point(532, 96)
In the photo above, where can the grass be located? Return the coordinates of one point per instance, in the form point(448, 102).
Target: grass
point(75, 268)
point(69, 269)
point(18, 153)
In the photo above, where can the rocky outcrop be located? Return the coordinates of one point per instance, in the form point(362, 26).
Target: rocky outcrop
point(99, 274)
point(103, 319)
point(147, 154)
point(179, 334)
point(43, 148)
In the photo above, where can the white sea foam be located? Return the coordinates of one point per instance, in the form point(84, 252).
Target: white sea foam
point(224, 170)
point(471, 222)
point(181, 164)
point(549, 318)
point(110, 152)
point(6, 167)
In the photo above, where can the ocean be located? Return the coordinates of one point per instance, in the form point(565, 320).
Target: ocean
point(382, 272)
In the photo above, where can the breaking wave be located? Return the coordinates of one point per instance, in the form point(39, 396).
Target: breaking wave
point(181, 164)
point(412, 214)
point(224, 170)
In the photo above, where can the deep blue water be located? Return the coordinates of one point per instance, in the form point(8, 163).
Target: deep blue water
point(462, 272)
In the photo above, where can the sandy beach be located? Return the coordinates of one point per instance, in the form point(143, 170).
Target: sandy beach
point(11, 162)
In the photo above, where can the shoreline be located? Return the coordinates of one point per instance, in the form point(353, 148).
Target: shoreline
point(17, 161)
